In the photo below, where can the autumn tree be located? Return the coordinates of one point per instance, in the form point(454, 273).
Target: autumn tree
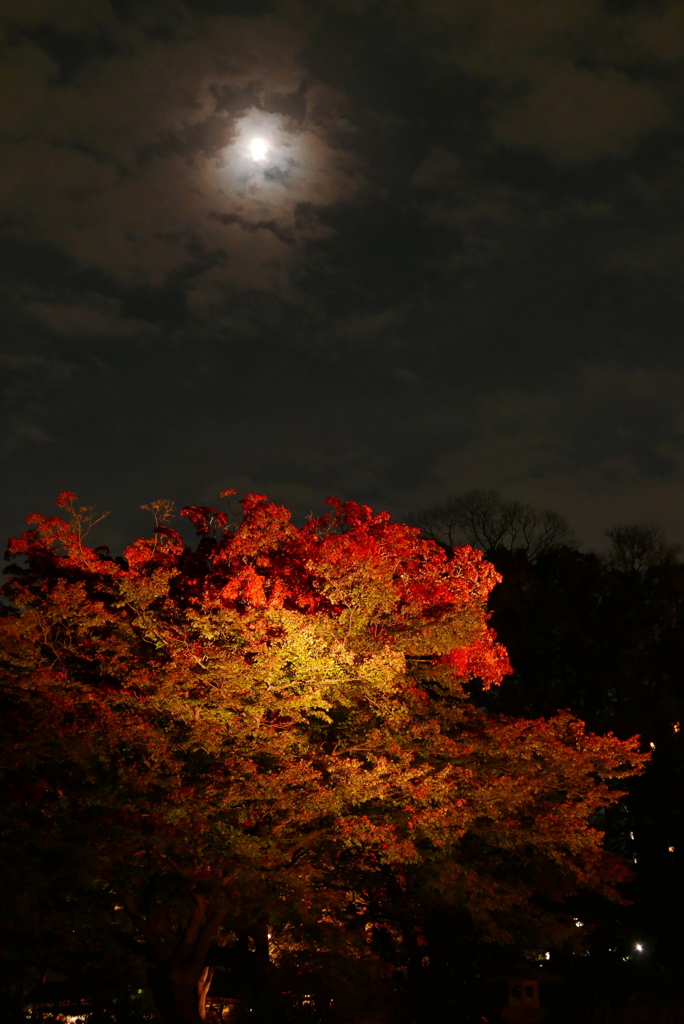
point(272, 729)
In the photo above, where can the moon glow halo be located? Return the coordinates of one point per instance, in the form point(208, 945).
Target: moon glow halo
point(258, 149)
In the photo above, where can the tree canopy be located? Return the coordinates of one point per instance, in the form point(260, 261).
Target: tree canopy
point(259, 727)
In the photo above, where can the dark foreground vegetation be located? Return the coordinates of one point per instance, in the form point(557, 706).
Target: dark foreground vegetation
point(286, 773)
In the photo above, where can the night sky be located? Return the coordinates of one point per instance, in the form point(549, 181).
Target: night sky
point(459, 266)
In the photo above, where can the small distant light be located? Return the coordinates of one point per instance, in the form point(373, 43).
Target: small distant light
point(639, 948)
point(652, 745)
point(670, 849)
point(269, 936)
point(578, 923)
point(631, 835)
point(547, 956)
point(676, 726)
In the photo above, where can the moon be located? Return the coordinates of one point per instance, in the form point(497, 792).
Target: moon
point(259, 149)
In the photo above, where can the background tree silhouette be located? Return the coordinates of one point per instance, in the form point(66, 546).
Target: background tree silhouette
point(490, 522)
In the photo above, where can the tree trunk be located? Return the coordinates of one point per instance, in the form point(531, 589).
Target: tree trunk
point(180, 980)
point(414, 944)
point(180, 993)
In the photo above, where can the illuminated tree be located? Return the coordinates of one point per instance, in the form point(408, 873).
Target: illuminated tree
point(260, 728)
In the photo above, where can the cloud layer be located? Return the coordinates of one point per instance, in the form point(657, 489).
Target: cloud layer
point(460, 265)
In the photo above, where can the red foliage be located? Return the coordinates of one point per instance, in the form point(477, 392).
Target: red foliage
point(280, 707)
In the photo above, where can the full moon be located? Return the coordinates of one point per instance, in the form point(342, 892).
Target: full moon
point(258, 149)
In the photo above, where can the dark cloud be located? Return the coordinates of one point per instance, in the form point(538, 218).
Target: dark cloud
point(460, 265)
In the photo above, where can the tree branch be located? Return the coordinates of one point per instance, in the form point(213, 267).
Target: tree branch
point(151, 936)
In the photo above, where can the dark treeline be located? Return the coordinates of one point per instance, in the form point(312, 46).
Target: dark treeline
point(601, 635)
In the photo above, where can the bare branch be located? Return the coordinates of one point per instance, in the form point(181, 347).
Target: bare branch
point(486, 520)
point(640, 547)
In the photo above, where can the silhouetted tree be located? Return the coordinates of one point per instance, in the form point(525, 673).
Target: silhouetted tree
point(491, 523)
point(640, 547)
